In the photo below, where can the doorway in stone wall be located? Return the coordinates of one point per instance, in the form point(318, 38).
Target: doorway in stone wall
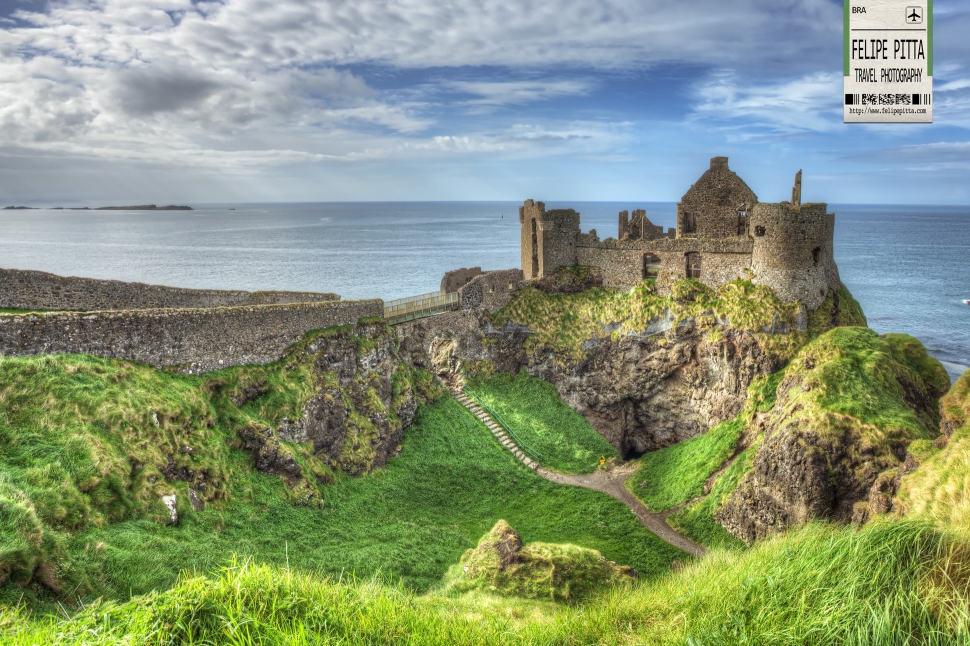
point(651, 266)
point(693, 262)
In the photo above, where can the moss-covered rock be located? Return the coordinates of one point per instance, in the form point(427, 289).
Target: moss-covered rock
point(848, 406)
point(502, 564)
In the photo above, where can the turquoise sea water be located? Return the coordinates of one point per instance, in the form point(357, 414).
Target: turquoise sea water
point(907, 265)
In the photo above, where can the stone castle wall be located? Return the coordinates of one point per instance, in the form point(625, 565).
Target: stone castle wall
point(193, 340)
point(621, 261)
point(793, 251)
point(558, 230)
point(619, 268)
point(454, 280)
point(529, 228)
point(490, 291)
point(28, 290)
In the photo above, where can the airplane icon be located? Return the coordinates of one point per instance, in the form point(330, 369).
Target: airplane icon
point(914, 15)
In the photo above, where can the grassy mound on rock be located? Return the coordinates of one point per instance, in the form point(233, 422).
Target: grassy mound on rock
point(532, 407)
point(859, 398)
point(564, 322)
point(503, 565)
point(939, 489)
point(889, 583)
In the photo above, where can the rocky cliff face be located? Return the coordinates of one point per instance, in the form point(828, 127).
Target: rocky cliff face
point(845, 412)
point(640, 389)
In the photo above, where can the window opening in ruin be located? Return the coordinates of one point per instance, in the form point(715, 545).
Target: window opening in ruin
point(535, 251)
point(815, 254)
point(651, 266)
point(742, 222)
point(693, 264)
point(759, 231)
point(690, 222)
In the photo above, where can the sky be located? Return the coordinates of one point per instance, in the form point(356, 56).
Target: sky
point(179, 101)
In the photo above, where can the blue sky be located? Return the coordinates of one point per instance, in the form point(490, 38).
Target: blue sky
point(108, 101)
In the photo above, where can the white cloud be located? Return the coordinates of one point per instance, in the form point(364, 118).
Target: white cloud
point(809, 103)
point(495, 93)
point(249, 84)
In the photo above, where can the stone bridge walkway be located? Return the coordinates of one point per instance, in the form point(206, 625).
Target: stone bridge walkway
point(609, 482)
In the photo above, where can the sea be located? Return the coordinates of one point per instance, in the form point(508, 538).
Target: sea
point(909, 266)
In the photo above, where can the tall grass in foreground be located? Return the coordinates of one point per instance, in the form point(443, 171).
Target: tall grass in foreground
point(889, 583)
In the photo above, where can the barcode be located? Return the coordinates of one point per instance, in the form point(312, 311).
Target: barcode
point(887, 99)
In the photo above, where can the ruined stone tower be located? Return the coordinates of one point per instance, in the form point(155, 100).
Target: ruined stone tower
point(792, 251)
point(548, 238)
point(716, 205)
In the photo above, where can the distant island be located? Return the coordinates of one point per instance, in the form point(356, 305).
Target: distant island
point(138, 207)
point(18, 208)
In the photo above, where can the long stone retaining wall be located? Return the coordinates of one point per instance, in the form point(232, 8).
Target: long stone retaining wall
point(29, 290)
point(193, 340)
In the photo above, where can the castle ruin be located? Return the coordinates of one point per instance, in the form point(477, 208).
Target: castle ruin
point(722, 233)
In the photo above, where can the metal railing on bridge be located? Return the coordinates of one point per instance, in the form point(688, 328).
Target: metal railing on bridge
point(416, 307)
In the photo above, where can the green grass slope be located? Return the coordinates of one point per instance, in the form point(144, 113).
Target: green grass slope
point(411, 520)
point(938, 490)
point(890, 583)
point(675, 474)
point(81, 439)
point(532, 407)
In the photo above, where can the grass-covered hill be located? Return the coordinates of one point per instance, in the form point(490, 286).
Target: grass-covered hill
point(565, 322)
point(562, 439)
point(89, 446)
point(340, 496)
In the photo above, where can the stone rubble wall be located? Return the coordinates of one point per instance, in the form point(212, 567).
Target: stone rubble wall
point(490, 291)
point(717, 268)
point(191, 340)
point(618, 267)
point(29, 290)
point(621, 261)
point(558, 230)
point(458, 278)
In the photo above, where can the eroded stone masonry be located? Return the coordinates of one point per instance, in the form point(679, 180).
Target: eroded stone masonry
point(723, 232)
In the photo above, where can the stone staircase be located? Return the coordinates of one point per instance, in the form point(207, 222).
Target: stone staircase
point(496, 430)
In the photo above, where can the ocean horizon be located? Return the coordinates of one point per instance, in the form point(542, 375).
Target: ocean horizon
point(906, 264)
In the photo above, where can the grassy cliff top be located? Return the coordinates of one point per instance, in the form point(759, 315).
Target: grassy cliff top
point(563, 322)
point(883, 388)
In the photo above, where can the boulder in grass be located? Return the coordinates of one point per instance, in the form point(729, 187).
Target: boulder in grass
point(502, 564)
